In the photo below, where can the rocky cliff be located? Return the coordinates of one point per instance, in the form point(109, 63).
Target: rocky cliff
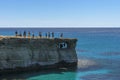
point(38, 53)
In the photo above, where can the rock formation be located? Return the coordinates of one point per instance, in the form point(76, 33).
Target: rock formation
point(39, 53)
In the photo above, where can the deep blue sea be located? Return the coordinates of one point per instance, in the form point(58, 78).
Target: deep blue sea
point(98, 51)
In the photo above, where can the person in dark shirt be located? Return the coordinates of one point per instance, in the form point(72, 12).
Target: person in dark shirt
point(52, 34)
point(16, 33)
point(61, 35)
point(33, 35)
point(40, 34)
point(24, 34)
point(20, 34)
point(46, 35)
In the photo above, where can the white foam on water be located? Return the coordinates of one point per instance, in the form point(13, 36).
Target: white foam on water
point(85, 63)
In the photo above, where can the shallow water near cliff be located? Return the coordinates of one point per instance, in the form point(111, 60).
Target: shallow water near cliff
point(98, 52)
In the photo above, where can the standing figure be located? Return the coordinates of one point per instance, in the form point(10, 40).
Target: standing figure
point(48, 34)
point(61, 35)
point(32, 35)
point(52, 34)
point(20, 34)
point(29, 34)
point(24, 34)
point(40, 34)
point(16, 33)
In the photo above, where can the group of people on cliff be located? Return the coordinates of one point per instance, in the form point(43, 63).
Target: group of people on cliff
point(47, 35)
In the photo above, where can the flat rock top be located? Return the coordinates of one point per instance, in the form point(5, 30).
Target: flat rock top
point(36, 37)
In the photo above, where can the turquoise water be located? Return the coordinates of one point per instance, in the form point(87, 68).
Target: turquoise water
point(62, 76)
point(99, 45)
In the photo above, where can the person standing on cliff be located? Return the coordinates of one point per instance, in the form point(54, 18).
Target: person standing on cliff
point(29, 34)
point(48, 34)
point(20, 34)
point(40, 34)
point(33, 35)
point(24, 34)
point(52, 34)
point(61, 35)
point(16, 33)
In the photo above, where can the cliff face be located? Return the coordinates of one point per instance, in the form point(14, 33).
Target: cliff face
point(24, 52)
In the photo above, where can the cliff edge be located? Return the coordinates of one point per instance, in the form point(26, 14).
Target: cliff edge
point(38, 53)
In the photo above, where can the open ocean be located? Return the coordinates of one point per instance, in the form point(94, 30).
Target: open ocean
point(98, 51)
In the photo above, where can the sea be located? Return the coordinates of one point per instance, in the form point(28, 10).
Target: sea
point(98, 52)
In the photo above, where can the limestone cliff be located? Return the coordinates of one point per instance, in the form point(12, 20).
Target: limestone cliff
point(27, 52)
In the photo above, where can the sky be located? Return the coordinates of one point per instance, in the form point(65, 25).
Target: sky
point(59, 13)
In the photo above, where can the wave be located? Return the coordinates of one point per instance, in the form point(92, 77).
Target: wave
point(86, 63)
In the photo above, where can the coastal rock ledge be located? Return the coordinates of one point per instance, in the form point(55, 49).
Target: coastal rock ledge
point(25, 54)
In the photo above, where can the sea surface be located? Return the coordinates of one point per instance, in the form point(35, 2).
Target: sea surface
point(98, 51)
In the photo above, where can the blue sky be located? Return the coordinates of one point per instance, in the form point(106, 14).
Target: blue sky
point(59, 13)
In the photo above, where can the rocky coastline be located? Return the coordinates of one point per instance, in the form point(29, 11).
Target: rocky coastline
point(26, 54)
